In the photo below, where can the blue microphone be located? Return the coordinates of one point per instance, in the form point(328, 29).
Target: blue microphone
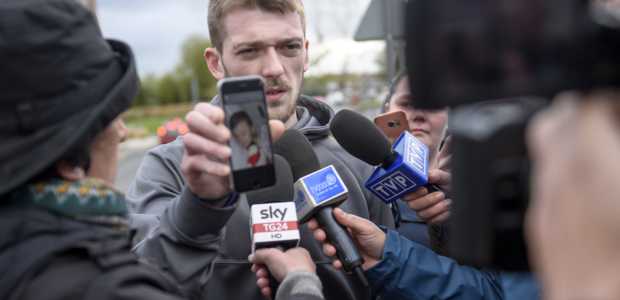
point(317, 191)
point(400, 169)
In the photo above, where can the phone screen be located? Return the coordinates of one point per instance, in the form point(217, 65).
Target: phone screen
point(250, 142)
point(247, 120)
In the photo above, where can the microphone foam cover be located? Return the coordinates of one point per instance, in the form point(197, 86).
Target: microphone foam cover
point(360, 137)
point(298, 151)
point(281, 191)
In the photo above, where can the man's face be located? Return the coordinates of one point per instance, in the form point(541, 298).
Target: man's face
point(271, 45)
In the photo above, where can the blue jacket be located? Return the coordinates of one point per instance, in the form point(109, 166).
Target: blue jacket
point(411, 271)
point(409, 225)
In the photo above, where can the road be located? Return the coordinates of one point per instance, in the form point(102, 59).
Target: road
point(130, 157)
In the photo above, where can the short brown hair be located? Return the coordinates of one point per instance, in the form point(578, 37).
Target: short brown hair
point(219, 8)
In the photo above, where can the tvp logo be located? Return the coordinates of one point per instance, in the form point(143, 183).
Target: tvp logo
point(392, 186)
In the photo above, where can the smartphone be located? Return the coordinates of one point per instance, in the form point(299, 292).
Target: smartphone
point(245, 109)
point(392, 124)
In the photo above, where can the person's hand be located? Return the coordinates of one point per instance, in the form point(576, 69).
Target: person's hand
point(205, 163)
point(572, 225)
point(279, 264)
point(366, 235)
point(433, 208)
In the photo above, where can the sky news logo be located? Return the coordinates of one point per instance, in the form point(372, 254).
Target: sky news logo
point(393, 185)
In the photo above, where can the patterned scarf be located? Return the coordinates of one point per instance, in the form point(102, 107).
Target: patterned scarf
point(88, 198)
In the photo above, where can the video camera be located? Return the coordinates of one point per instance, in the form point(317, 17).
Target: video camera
point(495, 63)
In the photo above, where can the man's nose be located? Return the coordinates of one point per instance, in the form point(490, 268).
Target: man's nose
point(272, 66)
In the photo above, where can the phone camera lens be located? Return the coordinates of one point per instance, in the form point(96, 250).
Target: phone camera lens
point(392, 124)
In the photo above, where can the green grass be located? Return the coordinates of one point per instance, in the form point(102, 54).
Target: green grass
point(144, 121)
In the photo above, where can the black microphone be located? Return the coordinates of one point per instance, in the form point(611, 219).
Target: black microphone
point(401, 168)
point(273, 217)
point(317, 191)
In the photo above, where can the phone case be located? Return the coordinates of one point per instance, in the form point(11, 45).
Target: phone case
point(392, 124)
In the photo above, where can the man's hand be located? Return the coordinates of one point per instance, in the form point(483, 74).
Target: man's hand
point(205, 163)
point(279, 264)
point(572, 224)
point(433, 208)
point(366, 235)
point(207, 154)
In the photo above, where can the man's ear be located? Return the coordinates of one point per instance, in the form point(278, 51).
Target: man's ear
point(214, 62)
point(69, 172)
point(307, 58)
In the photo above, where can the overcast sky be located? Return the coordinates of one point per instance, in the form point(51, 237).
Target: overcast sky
point(156, 28)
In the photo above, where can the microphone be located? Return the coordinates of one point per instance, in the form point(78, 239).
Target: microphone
point(317, 191)
point(400, 169)
point(273, 217)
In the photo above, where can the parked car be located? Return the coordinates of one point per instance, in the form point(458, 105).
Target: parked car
point(171, 129)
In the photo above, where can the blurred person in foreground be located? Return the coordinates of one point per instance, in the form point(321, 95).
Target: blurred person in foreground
point(423, 214)
point(203, 234)
point(572, 224)
point(64, 231)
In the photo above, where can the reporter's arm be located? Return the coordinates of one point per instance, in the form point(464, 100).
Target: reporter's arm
point(408, 270)
point(402, 269)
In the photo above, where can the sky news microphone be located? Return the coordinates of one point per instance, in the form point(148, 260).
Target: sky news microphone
point(401, 168)
point(273, 217)
point(317, 191)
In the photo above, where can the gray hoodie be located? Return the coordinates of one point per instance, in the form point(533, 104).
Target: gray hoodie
point(206, 248)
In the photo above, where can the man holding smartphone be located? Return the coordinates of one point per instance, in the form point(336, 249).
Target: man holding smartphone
point(203, 235)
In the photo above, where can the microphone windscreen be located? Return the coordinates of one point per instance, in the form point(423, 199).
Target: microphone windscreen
point(281, 191)
point(298, 151)
point(360, 137)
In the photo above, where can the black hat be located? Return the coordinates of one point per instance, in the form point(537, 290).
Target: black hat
point(61, 83)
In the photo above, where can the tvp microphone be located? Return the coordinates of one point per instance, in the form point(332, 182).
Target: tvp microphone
point(401, 168)
point(317, 191)
point(273, 214)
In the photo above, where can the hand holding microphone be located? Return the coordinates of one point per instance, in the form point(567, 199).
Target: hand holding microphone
point(369, 238)
point(432, 207)
point(273, 226)
point(317, 191)
point(279, 264)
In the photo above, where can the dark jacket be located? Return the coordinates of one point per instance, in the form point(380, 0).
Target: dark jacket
point(206, 248)
point(48, 256)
